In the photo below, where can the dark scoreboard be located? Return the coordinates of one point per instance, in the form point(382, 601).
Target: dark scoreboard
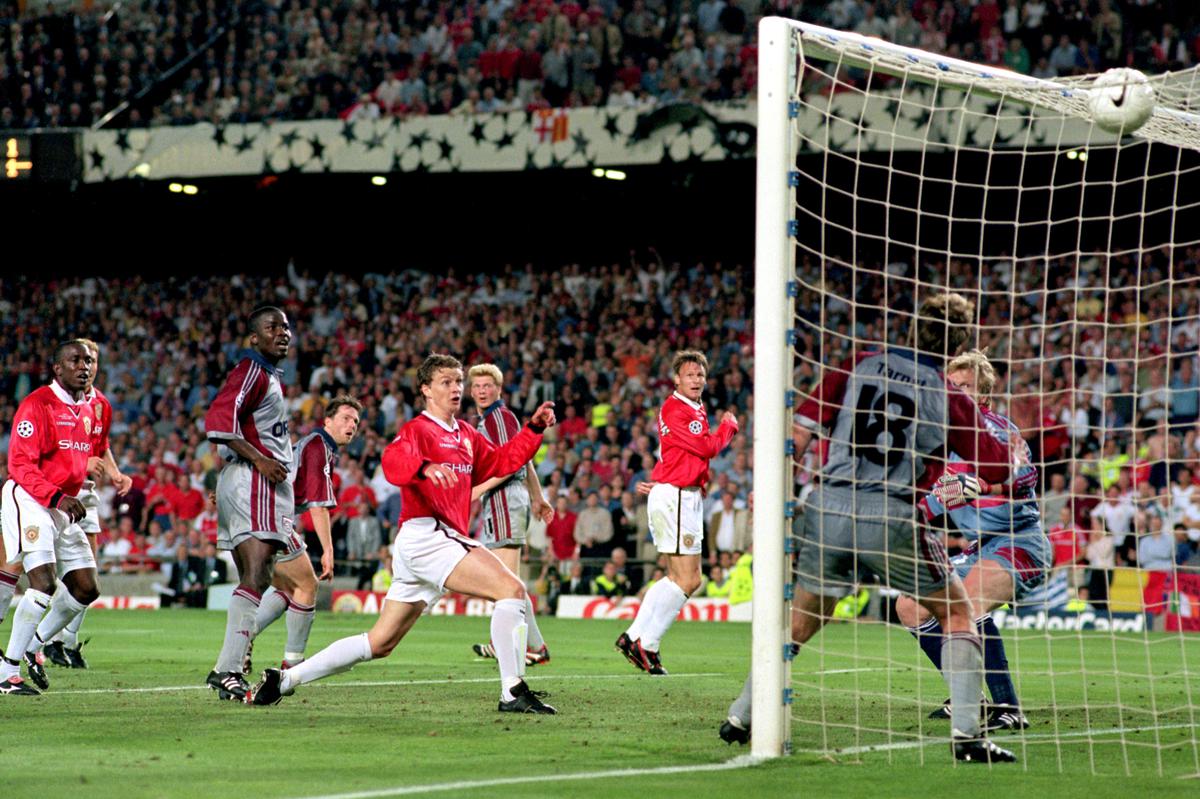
point(39, 157)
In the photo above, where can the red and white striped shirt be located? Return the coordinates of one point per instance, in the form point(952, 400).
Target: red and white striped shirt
point(250, 406)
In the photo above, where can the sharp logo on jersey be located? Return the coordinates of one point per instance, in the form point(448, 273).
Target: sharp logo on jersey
point(25, 428)
point(695, 428)
point(80, 446)
point(461, 468)
point(31, 534)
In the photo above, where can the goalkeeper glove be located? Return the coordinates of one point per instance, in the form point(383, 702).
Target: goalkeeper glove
point(956, 490)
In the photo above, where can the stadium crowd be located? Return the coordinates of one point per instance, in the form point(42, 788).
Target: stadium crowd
point(178, 62)
point(1103, 383)
point(597, 341)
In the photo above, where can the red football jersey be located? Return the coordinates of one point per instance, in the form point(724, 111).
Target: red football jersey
point(101, 421)
point(687, 446)
point(50, 445)
point(458, 447)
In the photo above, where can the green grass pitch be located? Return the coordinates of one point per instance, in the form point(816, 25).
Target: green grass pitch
point(424, 722)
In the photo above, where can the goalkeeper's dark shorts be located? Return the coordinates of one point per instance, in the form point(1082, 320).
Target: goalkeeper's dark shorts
point(842, 536)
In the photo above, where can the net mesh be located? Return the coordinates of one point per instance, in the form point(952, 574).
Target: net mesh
point(1081, 254)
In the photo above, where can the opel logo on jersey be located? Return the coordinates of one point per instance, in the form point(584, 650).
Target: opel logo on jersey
point(24, 428)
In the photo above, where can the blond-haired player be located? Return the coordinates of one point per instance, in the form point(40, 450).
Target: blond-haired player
point(509, 502)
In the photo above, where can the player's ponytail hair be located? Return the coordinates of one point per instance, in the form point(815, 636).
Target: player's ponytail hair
point(985, 374)
point(944, 324)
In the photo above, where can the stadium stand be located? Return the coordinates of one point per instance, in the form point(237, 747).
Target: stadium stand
point(598, 342)
point(178, 62)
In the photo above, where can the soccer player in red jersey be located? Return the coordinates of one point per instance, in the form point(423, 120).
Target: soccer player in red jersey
point(64, 649)
point(295, 582)
point(676, 506)
point(47, 465)
point(436, 461)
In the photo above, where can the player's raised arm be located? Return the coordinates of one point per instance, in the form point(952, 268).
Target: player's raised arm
point(491, 460)
point(678, 424)
point(402, 461)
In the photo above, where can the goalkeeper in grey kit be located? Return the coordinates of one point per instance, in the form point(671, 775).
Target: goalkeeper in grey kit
point(891, 414)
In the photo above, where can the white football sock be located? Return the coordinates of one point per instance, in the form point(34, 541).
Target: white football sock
point(8, 587)
point(63, 608)
point(299, 625)
point(962, 668)
point(272, 606)
point(645, 611)
point(507, 616)
point(536, 642)
point(669, 602)
point(29, 612)
point(70, 634)
point(341, 655)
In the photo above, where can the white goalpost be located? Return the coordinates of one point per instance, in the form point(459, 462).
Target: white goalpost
point(1068, 211)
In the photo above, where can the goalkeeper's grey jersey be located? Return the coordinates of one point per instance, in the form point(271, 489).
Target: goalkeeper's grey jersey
point(887, 413)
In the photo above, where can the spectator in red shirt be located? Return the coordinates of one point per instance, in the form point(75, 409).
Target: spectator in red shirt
point(187, 502)
point(573, 425)
point(1068, 540)
point(348, 496)
point(561, 531)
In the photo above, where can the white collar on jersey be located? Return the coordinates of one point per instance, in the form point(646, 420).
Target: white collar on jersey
point(695, 406)
point(441, 424)
point(63, 395)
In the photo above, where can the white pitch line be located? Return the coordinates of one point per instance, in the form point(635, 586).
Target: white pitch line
point(376, 683)
point(405, 790)
point(846, 671)
point(861, 750)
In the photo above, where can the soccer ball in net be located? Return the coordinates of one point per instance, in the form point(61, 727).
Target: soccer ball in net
point(1121, 100)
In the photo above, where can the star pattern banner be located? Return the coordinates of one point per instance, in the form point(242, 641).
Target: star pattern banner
point(559, 138)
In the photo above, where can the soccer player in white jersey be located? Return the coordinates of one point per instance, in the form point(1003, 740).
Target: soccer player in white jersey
point(1009, 554)
point(248, 419)
point(294, 581)
point(65, 649)
point(676, 506)
point(436, 461)
point(510, 502)
point(40, 510)
point(890, 415)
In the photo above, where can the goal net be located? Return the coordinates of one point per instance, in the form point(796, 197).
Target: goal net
point(886, 176)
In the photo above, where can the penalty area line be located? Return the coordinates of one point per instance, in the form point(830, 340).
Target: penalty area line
point(380, 683)
point(744, 761)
